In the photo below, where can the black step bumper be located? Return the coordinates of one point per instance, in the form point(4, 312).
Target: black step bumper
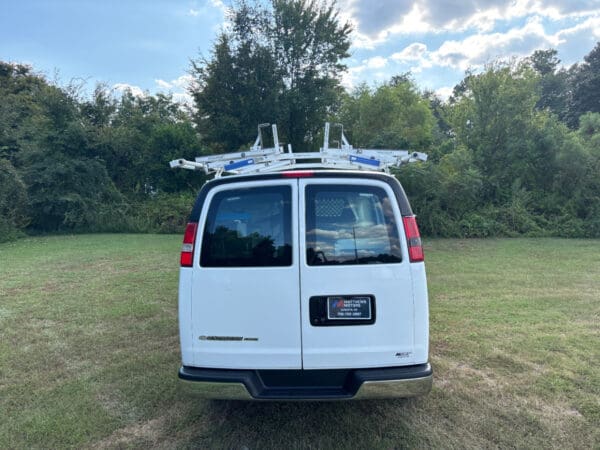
point(338, 384)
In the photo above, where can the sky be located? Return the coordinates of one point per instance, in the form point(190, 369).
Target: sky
point(147, 45)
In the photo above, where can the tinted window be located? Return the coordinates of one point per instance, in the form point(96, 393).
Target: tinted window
point(248, 228)
point(350, 225)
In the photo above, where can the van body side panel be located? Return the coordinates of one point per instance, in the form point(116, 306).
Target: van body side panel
point(387, 342)
point(246, 317)
point(185, 315)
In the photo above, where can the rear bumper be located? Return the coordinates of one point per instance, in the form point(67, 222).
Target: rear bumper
point(389, 382)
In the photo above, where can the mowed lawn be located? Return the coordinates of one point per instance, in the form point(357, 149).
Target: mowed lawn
point(89, 354)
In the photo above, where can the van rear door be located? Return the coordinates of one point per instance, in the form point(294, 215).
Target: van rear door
point(245, 311)
point(356, 289)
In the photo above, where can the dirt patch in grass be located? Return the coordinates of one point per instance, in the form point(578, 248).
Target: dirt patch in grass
point(142, 434)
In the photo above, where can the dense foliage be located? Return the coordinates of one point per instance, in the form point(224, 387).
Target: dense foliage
point(89, 165)
point(280, 64)
point(514, 151)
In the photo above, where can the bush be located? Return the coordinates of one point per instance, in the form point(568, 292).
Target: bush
point(162, 213)
point(67, 194)
point(13, 200)
point(8, 232)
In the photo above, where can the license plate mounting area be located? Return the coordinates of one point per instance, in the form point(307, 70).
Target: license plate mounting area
point(340, 310)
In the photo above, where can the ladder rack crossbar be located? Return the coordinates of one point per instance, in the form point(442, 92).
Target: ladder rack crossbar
point(257, 159)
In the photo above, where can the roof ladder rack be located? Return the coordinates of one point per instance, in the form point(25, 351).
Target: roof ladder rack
point(274, 159)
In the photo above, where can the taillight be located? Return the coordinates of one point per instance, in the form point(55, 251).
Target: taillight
point(415, 247)
point(187, 249)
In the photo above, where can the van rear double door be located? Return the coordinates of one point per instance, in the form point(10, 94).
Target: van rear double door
point(301, 273)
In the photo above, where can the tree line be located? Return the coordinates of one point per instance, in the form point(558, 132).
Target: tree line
point(514, 151)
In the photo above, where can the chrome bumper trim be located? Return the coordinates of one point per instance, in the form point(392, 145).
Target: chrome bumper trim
point(394, 388)
point(384, 389)
point(217, 391)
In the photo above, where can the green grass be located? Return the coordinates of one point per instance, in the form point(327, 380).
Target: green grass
point(89, 354)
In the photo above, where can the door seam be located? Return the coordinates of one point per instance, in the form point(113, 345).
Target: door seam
point(299, 253)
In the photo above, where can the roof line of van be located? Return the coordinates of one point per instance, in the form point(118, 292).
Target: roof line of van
point(397, 188)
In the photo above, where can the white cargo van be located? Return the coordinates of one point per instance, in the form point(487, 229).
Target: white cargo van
point(303, 284)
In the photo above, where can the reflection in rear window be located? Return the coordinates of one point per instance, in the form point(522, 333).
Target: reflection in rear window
point(248, 228)
point(350, 225)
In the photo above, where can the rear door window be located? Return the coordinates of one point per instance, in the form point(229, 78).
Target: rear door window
point(350, 225)
point(248, 228)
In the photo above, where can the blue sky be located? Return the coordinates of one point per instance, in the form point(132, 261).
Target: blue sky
point(147, 45)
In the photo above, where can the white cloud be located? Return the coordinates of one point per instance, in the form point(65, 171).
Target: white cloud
point(196, 9)
point(444, 92)
point(351, 76)
point(374, 16)
point(184, 98)
point(163, 84)
point(178, 88)
point(413, 52)
point(559, 9)
point(476, 32)
point(477, 14)
point(577, 40)
point(377, 62)
point(136, 91)
point(478, 49)
point(183, 83)
point(369, 33)
point(376, 22)
point(591, 27)
point(218, 4)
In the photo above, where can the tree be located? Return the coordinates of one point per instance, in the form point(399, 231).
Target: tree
point(589, 132)
point(280, 63)
point(536, 173)
point(309, 44)
point(544, 62)
point(67, 184)
point(585, 87)
point(493, 116)
point(136, 139)
point(394, 115)
point(586, 201)
point(67, 193)
point(13, 201)
point(19, 86)
point(554, 83)
point(236, 90)
point(100, 109)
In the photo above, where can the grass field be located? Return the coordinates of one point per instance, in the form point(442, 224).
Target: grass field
point(89, 354)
